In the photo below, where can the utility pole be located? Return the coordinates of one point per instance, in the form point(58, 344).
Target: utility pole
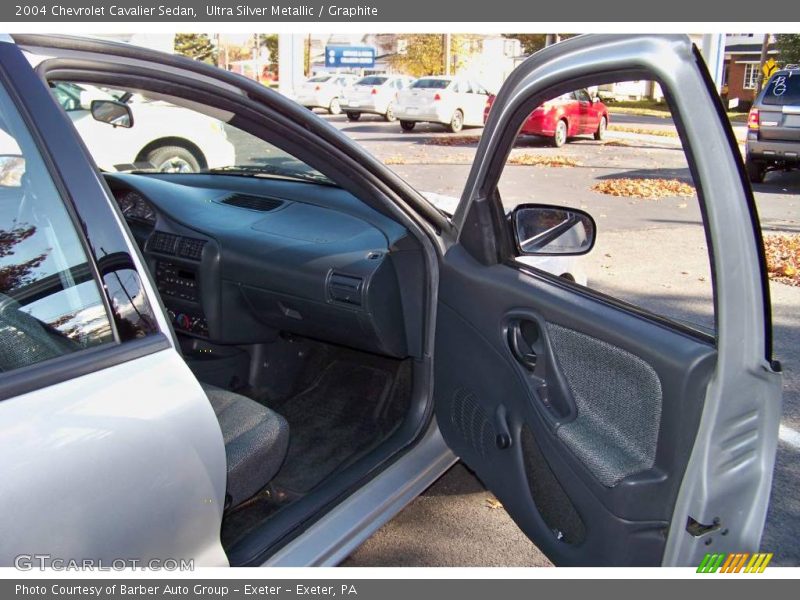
point(552, 38)
point(256, 72)
point(764, 55)
point(308, 56)
point(446, 47)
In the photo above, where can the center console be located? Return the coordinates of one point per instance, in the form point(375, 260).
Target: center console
point(177, 272)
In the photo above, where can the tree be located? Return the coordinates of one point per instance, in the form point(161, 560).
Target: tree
point(788, 45)
point(197, 46)
point(533, 42)
point(270, 42)
point(424, 55)
point(14, 275)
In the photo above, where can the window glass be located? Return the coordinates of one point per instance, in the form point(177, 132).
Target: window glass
point(783, 89)
point(50, 304)
point(437, 84)
point(750, 76)
point(633, 178)
point(372, 80)
point(195, 141)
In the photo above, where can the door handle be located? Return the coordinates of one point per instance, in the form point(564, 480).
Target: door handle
point(521, 345)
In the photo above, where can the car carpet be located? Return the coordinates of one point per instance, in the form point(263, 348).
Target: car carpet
point(336, 418)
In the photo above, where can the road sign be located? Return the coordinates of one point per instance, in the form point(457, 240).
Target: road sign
point(350, 56)
point(769, 68)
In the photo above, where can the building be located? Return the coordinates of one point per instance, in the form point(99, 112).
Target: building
point(741, 67)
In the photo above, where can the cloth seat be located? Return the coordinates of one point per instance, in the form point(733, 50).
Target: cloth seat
point(256, 441)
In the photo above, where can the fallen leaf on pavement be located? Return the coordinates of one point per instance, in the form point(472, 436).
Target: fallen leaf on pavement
point(542, 160)
point(493, 503)
point(783, 258)
point(647, 188)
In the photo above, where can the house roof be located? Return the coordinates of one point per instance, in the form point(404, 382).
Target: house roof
point(747, 49)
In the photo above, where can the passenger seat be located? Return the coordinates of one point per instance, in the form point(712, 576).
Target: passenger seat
point(256, 441)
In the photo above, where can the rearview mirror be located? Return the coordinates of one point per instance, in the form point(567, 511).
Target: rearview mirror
point(545, 230)
point(112, 112)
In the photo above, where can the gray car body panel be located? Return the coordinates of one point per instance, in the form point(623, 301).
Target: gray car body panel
point(122, 462)
point(727, 482)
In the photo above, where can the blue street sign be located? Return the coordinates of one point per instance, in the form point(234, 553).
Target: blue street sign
point(350, 56)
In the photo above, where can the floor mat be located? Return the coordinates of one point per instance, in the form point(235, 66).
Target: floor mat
point(331, 421)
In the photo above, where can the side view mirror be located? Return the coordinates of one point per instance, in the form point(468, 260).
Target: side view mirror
point(112, 112)
point(544, 230)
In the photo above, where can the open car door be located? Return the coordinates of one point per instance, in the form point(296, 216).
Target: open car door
point(610, 435)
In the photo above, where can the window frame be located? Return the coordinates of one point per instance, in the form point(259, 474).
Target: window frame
point(24, 89)
point(750, 83)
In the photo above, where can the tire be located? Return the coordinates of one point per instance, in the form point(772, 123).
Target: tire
point(600, 134)
point(756, 170)
point(456, 122)
point(560, 134)
point(407, 125)
point(334, 107)
point(353, 116)
point(389, 116)
point(173, 159)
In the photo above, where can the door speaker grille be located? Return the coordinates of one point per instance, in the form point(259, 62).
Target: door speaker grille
point(471, 422)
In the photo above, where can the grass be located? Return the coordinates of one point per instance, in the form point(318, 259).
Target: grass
point(654, 108)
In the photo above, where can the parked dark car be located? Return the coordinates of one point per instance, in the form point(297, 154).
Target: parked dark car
point(773, 126)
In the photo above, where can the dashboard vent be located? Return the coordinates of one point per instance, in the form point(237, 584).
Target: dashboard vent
point(260, 203)
point(345, 288)
point(162, 242)
point(191, 248)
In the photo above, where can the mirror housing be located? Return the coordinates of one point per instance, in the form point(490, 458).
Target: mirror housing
point(112, 112)
point(545, 230)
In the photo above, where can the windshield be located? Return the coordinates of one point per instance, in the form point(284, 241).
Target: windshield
point(435, 84)
point(319, 79)
point(783, 89)
point(168, 138)
point(372, 81)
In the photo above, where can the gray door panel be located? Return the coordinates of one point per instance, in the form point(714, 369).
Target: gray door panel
point(600, 430)
point(612, 436)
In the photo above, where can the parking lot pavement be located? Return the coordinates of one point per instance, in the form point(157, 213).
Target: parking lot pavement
point(452, 523)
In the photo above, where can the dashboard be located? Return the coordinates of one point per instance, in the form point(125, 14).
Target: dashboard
point(237, 260)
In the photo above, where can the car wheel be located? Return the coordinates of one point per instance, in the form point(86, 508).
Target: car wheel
point(756, 170)
point(353, 116)
point(389, 116)
point(456, 122)
point(407, 125)
point(600, 134)
point(334, 107)
point(560, 135)
point(173, 159)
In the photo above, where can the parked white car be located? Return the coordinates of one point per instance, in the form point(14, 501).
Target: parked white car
point(324, 91)
point(166, 138)
point(451, 101)
point(374, 94)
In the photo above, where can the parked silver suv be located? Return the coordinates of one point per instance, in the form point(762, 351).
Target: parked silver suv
point(773, 126)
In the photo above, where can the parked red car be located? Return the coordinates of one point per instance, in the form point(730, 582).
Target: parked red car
point(575, 113)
